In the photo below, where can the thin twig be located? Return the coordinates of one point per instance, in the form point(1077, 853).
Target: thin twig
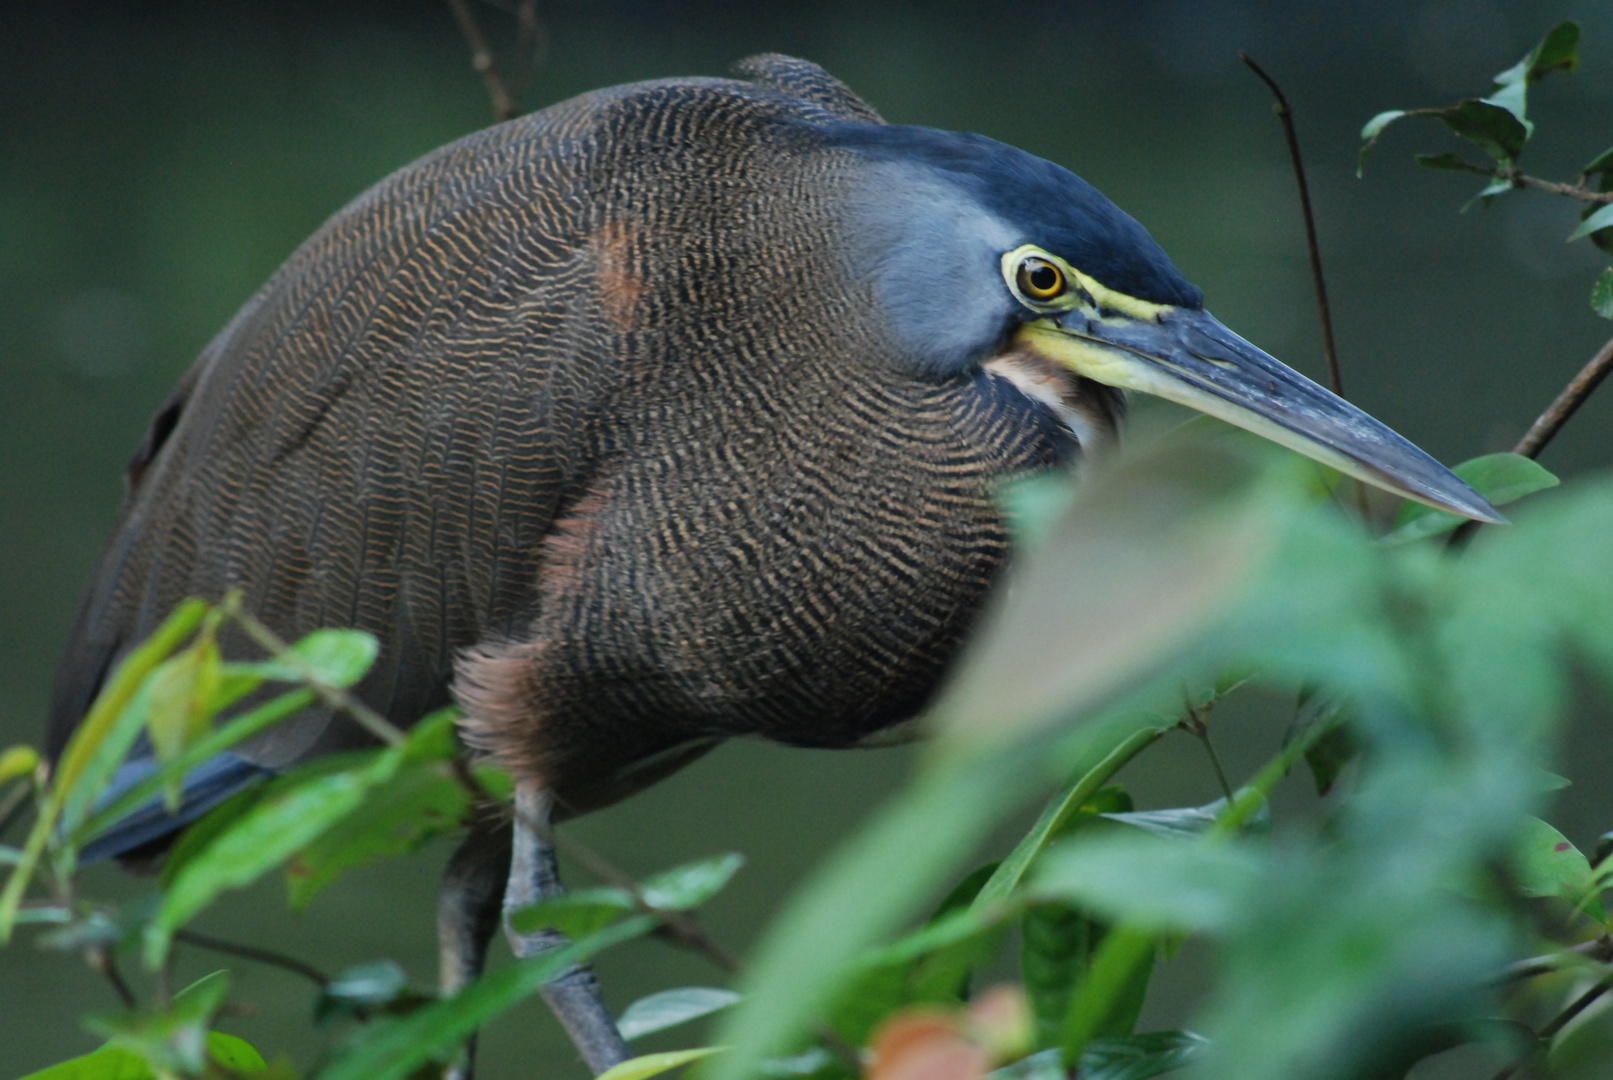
point(1197, 724)
point(1550, 422)
point(252, 952)
point(1558, 1022)
point(1324, 310)
point(101, 959)
point(1285, 113)
point(525, 69)
point(481, 58)
point(1580, 387)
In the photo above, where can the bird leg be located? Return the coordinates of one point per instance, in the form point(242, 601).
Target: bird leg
point(468, 909)
point(573, 997)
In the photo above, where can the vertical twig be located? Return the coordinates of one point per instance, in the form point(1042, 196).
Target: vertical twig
point(481, 58)
point(1324, 310)
point(1285, 113)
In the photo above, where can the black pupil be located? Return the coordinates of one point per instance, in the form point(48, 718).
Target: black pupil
point(1044, 278)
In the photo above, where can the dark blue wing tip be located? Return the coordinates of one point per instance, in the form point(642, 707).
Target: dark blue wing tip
point(207, 785)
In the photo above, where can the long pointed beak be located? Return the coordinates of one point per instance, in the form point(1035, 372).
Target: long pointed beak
point(1188, 357)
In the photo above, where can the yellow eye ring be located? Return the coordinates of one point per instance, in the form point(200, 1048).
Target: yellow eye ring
point(1040, 280)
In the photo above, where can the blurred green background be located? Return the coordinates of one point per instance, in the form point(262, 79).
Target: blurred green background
point(158, 160)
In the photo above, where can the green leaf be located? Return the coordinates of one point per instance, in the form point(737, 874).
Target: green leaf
point(1451, 161)
point(1139, 1057)
point(1600, 166)
point(655, 1064)
point(1056, 946)
point(1602, 294)
point(1159, 543)
point(87, 762)
point(1108, 1000)
point(689, 886)
point(290, 816)
point(576, 913)
point(1150, 880)
point(184, 699)
point(1601, 218)
point(1336, 747)
point(107, 1063)
point(116, 1063)
point(1493, 128)
point(395, 1047)
point(1057, 814)
point(1187, 821)
point(1558, 51)
point(1370, 133)
point(337, 658)
point(420, 801)
point(1500, 478)
point(1545, 863)
point(669, 1008)
point(18, 761)
point(1033, 504)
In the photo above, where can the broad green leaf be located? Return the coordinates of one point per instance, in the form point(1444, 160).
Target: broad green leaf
point(182, 697)
point(1331, 750)
point(576, 913)
point(691, 885)
point(655, 1064)
point(1139, 1057)
point(1500, 478)
point(1149, 880)
point(1492, 128)
point(1545, 863)
point(1153, 551)
point(1602, 294)
point(334, 657)
point(1109, 998)
point(18, 761)
point(69, 783)
point(116, 1063)
point(420, 801)
point(1371, 132)
point(1155, 546)
point(1188, 821)
point(1558, 51)
point(1033, 504)
point(278, 825)
point(395, 1048)
point(669, 1008)
point(1601, 218)
point(1056, 946)
point(1057, 814)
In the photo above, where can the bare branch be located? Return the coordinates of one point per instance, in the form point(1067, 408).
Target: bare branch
point(481, 58)
point(1550, 422)
point(1285, 113)
point(252, 952)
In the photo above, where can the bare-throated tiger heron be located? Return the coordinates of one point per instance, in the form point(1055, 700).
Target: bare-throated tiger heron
point(670, 413)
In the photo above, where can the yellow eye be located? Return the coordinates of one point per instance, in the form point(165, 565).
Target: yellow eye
point(1039, 279)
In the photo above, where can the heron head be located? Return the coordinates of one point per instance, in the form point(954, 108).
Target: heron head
point(975, 247)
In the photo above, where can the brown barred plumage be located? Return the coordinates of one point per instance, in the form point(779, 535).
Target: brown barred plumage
point(586, 419)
